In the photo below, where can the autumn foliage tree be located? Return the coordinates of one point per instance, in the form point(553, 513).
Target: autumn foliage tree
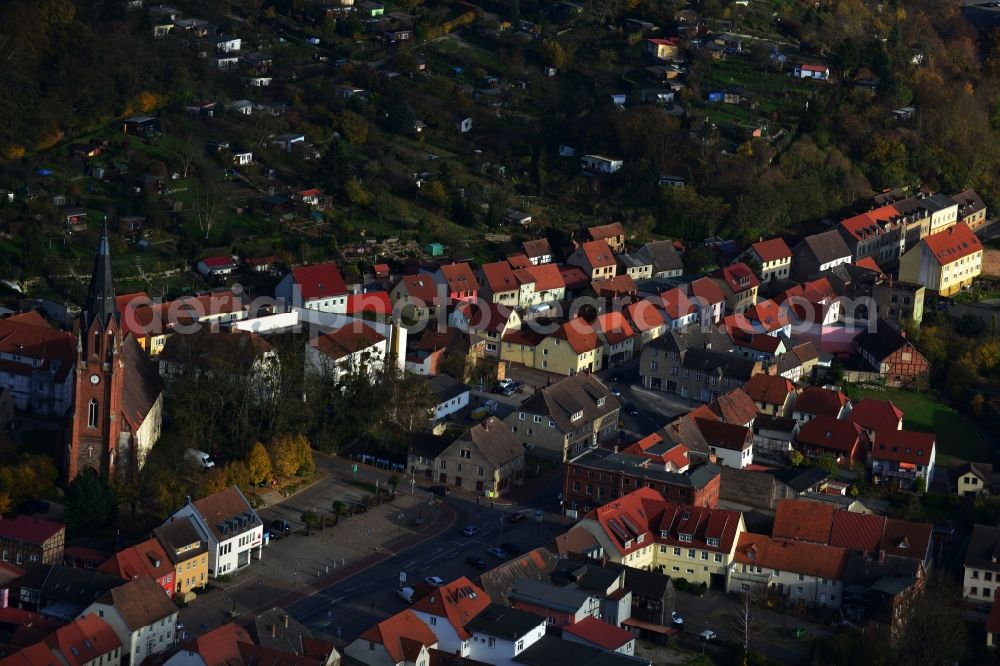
point(258, 464)
point(291, 455)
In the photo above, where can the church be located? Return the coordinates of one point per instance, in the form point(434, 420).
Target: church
point(117, 396)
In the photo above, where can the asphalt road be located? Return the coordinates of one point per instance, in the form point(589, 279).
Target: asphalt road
point(345, 609)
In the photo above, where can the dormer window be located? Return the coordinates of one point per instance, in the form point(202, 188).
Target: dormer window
point(628, 544)
point(576, 416)
point(600, 402)
point(663, 534)
point(640, 538)
point(686, 538)
point(712, 542)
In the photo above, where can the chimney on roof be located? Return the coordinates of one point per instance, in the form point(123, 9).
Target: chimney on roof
point(274, 630)
point(616, 448)
point(284, 620)
point(486, 424)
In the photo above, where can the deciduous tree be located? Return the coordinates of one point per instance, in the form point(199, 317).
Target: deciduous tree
point(258, 464)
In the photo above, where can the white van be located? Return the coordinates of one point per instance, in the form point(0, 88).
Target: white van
point(406, 594)
point(200, 458)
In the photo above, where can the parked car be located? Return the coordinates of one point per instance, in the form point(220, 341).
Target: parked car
point(434, 581)
point(517, 516)
point(616, 392)
point(511, 548)
point(707, 635)
point(406, 594)
point(676, 619)
point(498, 553)
point(281, 526)
point(470, 530)
point(440, 491)
point(476, 562)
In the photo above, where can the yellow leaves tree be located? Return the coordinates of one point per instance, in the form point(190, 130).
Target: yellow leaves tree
point(286, 457)
point(258, 464)
point(554, 54)
point(356, 193)
point(353, 127)
point(13, 152)
point(147, 101)
point(306, 463)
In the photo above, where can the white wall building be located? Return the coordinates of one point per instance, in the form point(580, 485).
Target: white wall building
point(232, 529)
point(142, 616)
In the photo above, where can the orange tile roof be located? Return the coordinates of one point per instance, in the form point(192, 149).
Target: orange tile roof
point(820, 401)
point(421, 287)
point(738, 278)
point(645, 316)
point(774, 249)
point(953, 243)
point(803, 520)
point(143, 559)
point(800, 557)
point(768, 315)
point(458, 601)
point(865, 225)
point(768, 389)
point(707, 290)
point(869, 263)
point(735, 407)
point(499, 277)
point(597, 632)
point(38, 654)
point(398, 629)
point(459, 277)
point(84, 640)
point(221, 645)
point(614, 326)
point(580, 335)
point(676, 303)
point(518, 260)
point(347, 340)
point(319, 281)
point(856, 531)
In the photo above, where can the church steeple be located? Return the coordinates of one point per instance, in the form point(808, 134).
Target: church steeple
point(101, 295)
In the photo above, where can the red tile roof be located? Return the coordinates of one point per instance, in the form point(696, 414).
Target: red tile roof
point(599, 633)
point(904, 446)
point(627, 518)
point(537, 248)
point(144, 559)
point(735, 407)
point(347, 340)
point(614, 326)
point(374, 302)
point(620, 285)
point(869, 263)
point(826, 432)
point(398, 629)
point(865, 225)
point(84, 640)
point(29, 335)
point(873, 414)
point(599, 254)
point(518, 260)
point(546, 277)
point(768, 315)
point(30, 530)
point(800, 557)
point(224, 505)
point(499, 277)
point(738, 278)
point(906, 538)
point(803, 520)
point(992, 622)
point(701, 524)
point(221, 645)
point(459, 601)
point(677, 455)
point(645, 316)
point(580, 335)
point(953, 243)
point(38, 654)
point(707, 290)
point(217, 262)
point(768, 389)
point(459, 277)
point(774, 249)
point(319, 281)
point(605, 231)
point(421, 288)
point(856, 531)
point(819, 401)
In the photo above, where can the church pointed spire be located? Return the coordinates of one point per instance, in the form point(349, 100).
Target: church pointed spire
point(101, 295)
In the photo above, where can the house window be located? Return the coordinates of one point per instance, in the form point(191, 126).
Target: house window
point(677, 552)
point(654, 366)
point(92, 413)
point(492, 642)
point(973, 591)
point(538, 419)
point(433, 620)
point(520, 645)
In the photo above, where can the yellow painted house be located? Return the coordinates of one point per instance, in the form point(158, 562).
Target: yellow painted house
point(945, 262)
point(188, 552)
point(572, 349)
point(644, 531)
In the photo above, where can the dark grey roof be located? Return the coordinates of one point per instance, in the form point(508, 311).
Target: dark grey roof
point(551, 650)
point(774, 423)
point(80, 587)
point(923, 203)
point(881, 342)
point(866, 568)
point(547, 595)
point(984, 548)
point(648, 583)
point(427, 445)
point(969, 202)
point(825, 247)
point(287, 631)
point(708, 360)
point(982, 470)
point(663, 255)
point(585, 575)
point(177, 534)
point(567, 396)
point(803, 480)
point(754, 489)
point(536, 564)
point(694, 338)
point(503, 622)
point(101, 302)
point(446, 387)
point(604, 459)
point(635, 259)
point(494, 441)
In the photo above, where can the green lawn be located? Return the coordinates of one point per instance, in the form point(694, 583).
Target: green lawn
point(957, 438)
